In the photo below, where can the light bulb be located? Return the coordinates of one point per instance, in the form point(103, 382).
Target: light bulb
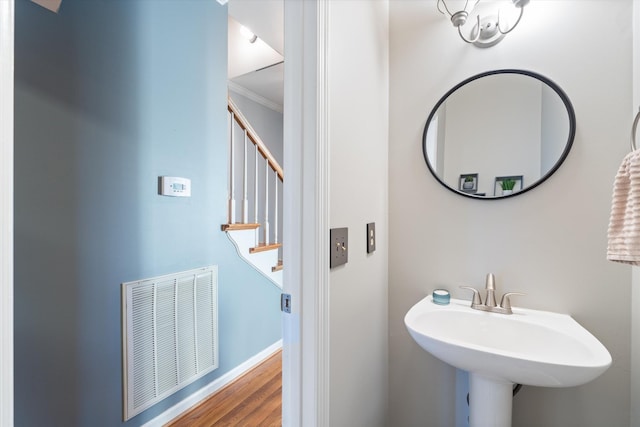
point(248, 34)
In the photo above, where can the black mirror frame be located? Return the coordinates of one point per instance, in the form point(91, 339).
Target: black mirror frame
point(572, 130)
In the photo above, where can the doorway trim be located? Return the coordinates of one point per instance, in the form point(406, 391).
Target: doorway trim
point(305, 357)
point(306, 362)
point(6, 210)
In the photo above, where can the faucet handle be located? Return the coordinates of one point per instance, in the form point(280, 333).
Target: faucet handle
point(505, 302)
point(491, 282)
point(477, 300)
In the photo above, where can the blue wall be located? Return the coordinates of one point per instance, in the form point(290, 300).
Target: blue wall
point(111, 94)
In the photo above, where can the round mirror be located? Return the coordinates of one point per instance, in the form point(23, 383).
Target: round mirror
point(499, 134)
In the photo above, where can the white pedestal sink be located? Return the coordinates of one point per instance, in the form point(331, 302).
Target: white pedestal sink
point(528, 347)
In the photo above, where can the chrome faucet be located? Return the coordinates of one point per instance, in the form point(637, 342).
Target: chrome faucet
point(490, 299)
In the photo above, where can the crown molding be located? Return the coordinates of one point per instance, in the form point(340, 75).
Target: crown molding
point(255, 97)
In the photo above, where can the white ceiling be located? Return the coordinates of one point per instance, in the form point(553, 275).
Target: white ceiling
point(264, 17)
point(257, 67)
point(246, 57)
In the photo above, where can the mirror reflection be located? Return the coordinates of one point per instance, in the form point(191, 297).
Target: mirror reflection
point(499, 134)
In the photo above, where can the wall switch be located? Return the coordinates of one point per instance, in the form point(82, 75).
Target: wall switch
point(285, 303)
point(339, 246)
point(371, 237)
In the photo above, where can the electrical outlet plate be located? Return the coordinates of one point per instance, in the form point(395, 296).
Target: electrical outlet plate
point(371, 237)
point(339, 246)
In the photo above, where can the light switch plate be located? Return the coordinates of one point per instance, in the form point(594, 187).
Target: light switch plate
point(371, 237)
point(339, 246)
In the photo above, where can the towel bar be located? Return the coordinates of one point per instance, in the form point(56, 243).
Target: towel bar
point(634, 128)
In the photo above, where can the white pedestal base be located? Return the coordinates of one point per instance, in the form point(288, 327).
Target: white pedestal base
point(490, 402)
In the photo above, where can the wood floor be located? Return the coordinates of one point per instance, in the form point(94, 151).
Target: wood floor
point(253, 400)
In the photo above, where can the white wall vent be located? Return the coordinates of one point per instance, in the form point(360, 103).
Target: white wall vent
point(169, 335)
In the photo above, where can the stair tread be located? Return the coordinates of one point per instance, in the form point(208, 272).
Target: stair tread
point(231, 227)
point(277, 267)
point(265, 247)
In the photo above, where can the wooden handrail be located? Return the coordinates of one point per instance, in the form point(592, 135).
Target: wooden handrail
point(255, 139)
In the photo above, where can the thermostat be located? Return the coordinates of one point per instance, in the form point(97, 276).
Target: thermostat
point(174, 186)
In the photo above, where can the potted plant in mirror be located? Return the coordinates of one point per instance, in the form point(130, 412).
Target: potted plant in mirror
point(507, 186)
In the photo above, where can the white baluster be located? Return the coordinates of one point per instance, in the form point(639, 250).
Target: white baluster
point(275, 207)
point(232, 202)
point(266, 203)
point(255, 195)
point(245, 202)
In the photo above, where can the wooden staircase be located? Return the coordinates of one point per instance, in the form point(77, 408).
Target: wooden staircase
point(254, 191)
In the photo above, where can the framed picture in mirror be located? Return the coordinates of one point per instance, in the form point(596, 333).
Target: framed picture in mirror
point(468, 183)
point(506, 185)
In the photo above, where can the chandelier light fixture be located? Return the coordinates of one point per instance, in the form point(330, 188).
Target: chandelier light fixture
point(488, 30)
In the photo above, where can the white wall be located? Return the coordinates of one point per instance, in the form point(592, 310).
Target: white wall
point(6, 212)
point(549, 243)
point(635, 300)
point(635, 349)
point(358, 143)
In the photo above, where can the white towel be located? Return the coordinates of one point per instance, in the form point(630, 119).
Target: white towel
point(624, 225)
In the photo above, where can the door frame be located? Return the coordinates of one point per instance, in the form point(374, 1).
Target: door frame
point(6, 210)
point(306, 207)
point(305, 357)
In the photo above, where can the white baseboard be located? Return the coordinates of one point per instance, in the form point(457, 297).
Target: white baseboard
point(214, 386)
